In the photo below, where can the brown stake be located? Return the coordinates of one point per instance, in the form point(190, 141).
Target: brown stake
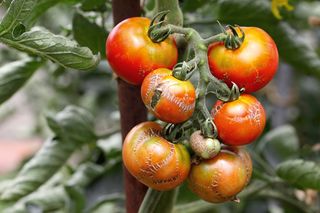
point(132, 110)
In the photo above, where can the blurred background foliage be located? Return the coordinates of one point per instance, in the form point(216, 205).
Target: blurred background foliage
point(291, 100)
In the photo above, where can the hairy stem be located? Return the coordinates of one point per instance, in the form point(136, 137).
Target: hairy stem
point(200, 48)
point(175, 16)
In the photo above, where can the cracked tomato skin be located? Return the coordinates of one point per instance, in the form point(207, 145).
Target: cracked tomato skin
point(222, 177)
point(132, 54)
point(176, 102)
point(251, 66)
point(239, 122)
point(153, 160)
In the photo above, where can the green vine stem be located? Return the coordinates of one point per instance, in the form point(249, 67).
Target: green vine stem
point(175, 16)
point(159, 31)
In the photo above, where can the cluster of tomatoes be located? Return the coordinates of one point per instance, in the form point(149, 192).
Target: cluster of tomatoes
point(223, 171)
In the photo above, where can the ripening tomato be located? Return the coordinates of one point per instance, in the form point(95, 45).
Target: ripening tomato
point(239, 122)
point(169, 99)
point(132, 54)
point(222, 177)
point(153, 160)
point(251, 66)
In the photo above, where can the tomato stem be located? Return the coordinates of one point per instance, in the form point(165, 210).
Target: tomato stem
point(160, 30)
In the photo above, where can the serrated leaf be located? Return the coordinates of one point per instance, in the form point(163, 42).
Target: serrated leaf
point(292, 47)
point(158, 201)
point(300, 173)
point(56, 48)
point(89, 34)
point(58, 197)
point(47, 161)
point(18, 11)
point(41, 7)
point(73, 124)
point(41, 200)
point(14, 75)
point(279, 144)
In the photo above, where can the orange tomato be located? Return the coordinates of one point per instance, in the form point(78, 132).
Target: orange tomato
point(239, 122)
point(169, 99)
point(251, 66)
point(153, 160)
point(222, 177)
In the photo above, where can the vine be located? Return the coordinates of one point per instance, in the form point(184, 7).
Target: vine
point(159, 30)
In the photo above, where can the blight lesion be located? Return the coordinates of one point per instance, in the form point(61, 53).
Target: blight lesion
point(276, 4)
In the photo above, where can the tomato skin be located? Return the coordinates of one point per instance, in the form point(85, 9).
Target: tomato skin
point(177, 101)
point(222, 177)
point(153, 160)
point(239, 122)
point(251, 66)
point(132, 54)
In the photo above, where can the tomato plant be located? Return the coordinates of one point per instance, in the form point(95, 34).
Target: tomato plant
point(239, 122)
point(153, 160)
point(251, 66)
point(221, 178)
point(131, 53)
point(169, 99)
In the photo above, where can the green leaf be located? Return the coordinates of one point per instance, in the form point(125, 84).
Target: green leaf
point(41, 7)
point(192, 5)
point(280, 143)
point(18, 11)
point(158, 201)
point(41, 200)
point(292, 47)
point(107, 203)
point(58, 197)
point(300, 173)
point(86, 173)
point(76, 197)
point(93, 5)
point(73, 124)
point(282, 196)
point(199, 206)
point(56, 48)
point(89, 34)
point(246, 12)
point(47, 161)
point(14, 75)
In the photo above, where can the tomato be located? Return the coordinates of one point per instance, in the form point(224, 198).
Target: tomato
point(251, 66)
point(153, 160)
point(239, 122)
point(205, 148)
point(132, 54)
point(169, 99)
point(222, 177)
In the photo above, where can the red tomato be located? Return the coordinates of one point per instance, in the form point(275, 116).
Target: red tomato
point(175, 99)
point(132, 54)
point(239, 122)
point(251, 66)
point(153, 160)
point(222, 177)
